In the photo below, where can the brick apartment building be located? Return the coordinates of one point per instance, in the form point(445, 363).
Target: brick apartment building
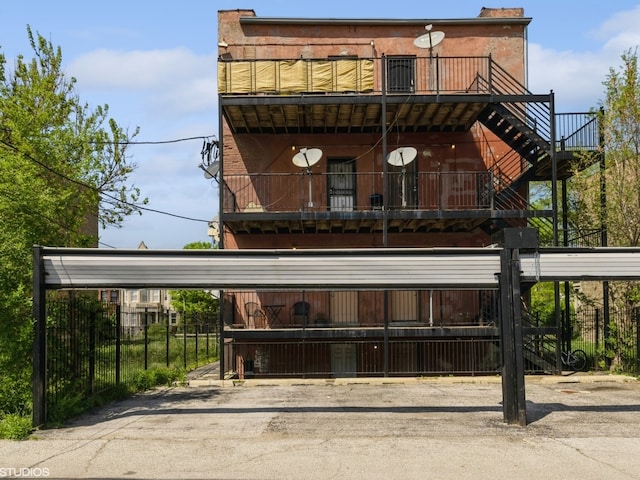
point(378, 133)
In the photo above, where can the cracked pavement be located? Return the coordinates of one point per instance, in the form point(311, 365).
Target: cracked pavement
point(585, 427)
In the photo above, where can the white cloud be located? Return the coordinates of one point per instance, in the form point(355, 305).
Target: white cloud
point(575, 78)
point(620, 32)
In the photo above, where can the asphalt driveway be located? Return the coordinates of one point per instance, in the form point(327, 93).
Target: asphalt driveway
point(579, 427)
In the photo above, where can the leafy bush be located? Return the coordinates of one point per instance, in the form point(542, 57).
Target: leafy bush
point(147, 379)
point(15, 427)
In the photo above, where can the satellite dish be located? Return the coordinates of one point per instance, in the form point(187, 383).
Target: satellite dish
point(307, 157)
point(402, 156)
point(429, 39)
point(210, 171)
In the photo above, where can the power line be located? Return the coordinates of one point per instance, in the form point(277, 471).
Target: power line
point(157, 142)
point(93, 188)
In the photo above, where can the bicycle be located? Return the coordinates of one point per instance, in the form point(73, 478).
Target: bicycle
point(576, 360)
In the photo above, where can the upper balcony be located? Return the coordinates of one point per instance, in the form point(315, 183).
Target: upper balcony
point(353, 202)
point(351, 95)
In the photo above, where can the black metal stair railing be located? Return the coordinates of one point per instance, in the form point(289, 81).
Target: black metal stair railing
point(539, 345)
point(524, 126)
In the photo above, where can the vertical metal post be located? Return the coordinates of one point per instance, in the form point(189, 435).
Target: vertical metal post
point(184, 340)
point(511, 338)
point(92, 352)
point(555, 208)
point(195, 332)
point(385, 168)
point(513, 394)
point(221, 185)
point(146, 339)
point(637, 319)
point(39, 386)
point(597, 339)
point(606, 316)
point(167, 349)
point(118, 343)
point(385, 207)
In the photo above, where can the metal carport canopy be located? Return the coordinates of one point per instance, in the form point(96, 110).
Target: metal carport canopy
point(262, 269)
point(436, 268)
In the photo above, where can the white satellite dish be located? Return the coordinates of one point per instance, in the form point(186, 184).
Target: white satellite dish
point(429, 39)
point(402, 156)
point(307, 157)
point(210, 171)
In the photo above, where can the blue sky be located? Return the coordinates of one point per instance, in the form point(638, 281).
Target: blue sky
point(153, 63)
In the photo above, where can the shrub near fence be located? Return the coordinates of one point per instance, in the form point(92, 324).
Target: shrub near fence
point(92, 356)
point(614, 345)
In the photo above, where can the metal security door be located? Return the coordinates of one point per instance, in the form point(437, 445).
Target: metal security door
point(342, 185)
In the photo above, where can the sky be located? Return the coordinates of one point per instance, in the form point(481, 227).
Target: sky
point(154, 65)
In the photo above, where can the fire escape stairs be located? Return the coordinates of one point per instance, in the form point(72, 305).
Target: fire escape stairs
point(520, 136)
point(529, 150)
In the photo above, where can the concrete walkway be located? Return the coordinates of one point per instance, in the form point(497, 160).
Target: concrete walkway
point(580, 427)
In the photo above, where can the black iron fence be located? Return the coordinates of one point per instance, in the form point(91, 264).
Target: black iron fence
point(92, 354)
point(611, 342)
point(364, 358)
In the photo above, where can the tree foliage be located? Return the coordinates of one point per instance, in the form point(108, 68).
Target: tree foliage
point(619, 119)
point(63, 171)
point(194, 301)
point(608, 194)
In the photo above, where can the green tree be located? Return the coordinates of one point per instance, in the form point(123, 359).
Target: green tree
point(194, 301)
point(619, 118)
point(63, 171)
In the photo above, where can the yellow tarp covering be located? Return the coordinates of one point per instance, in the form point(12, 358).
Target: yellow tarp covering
point(295, 76)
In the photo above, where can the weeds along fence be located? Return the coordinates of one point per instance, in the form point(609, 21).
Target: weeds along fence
point(610, 343)
point(92, 353)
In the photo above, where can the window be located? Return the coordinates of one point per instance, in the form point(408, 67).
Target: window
point(401, 74)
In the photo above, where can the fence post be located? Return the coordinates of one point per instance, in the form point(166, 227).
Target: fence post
point(637, 322)
point(146, 339)
point(92, 351)
point(168, 333)
point(118, 343)
point(207, 337)
point(39, 383)
point(184, 340)
point(195, 327)
point(597, 339)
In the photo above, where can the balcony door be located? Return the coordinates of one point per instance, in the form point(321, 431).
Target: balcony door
point(341, 185)
point(401, 74)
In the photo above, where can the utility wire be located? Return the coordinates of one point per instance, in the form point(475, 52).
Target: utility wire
point(91, 187)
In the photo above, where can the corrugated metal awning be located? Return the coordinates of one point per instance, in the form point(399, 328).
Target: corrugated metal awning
point(358, 269)
point(268, 269)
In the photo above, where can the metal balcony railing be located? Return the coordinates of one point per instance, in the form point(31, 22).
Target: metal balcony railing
point(403, 74)
point(295, 192)
point(262, 310)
